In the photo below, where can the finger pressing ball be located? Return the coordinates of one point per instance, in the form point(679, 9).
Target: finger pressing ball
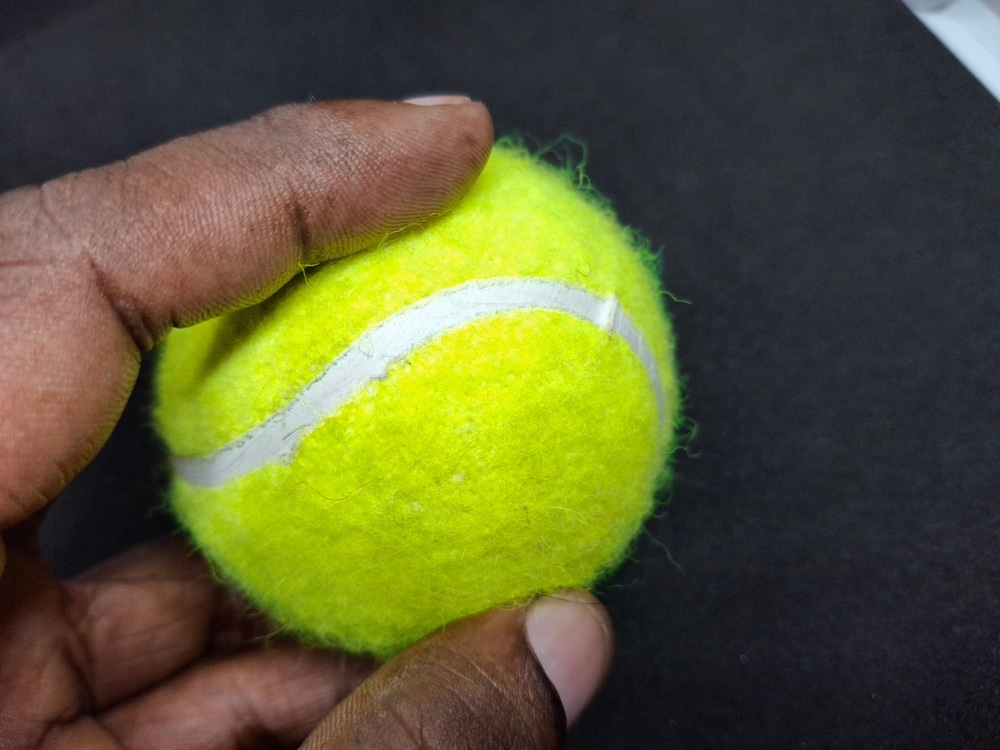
point(477, 411)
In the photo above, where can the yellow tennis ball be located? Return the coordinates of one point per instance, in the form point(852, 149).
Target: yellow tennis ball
point(472, 413)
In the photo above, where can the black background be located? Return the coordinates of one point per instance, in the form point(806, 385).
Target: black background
point(824, 181)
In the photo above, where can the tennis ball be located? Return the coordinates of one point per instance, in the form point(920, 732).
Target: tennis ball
point(474, 412)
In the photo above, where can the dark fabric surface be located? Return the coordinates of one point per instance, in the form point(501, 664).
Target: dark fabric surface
point(823, 179)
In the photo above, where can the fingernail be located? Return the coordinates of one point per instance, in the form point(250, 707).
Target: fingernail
point(436, 100)
point(571, 636)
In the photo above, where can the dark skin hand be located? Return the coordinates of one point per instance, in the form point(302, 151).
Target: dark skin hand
point(147, 650)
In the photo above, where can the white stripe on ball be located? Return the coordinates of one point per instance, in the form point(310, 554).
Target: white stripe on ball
point(370, 357)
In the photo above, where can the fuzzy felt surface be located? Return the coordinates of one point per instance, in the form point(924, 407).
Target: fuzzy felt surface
point(514, 456)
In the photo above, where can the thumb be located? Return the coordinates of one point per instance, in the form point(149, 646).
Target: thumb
point(502, 679)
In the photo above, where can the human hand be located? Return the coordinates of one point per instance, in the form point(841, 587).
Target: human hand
point(146, 650)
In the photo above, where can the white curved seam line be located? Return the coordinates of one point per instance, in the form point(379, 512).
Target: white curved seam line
point(369, 358)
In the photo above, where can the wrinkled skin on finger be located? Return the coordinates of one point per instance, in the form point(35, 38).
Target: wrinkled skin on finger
point(149, 646)
point(97, 266)
point(476, 685)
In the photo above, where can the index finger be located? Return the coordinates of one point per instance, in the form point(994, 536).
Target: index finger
point(97, 266)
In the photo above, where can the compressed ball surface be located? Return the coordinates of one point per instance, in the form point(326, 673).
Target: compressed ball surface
point(511, 454)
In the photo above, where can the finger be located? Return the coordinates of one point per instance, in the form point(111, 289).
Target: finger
point(572, 638)
point(150, 613)
point(275, 695)
point(223, 217)
point(97, 266)
point(508, 678)
point(150, 622)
